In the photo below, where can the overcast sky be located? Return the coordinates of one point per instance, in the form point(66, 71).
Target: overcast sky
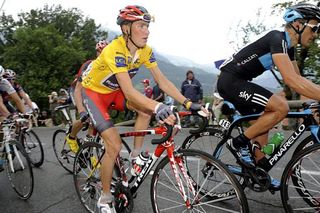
point(198, 30)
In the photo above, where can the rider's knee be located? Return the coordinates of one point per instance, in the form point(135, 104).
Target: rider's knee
point(283, 107)
point(114, 149)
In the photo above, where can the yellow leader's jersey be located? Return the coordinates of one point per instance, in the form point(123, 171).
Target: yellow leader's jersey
point(115, 58)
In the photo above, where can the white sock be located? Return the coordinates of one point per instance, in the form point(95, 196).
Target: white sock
point(106, 197)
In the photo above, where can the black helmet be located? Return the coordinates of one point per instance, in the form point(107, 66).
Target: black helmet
point(302, 11)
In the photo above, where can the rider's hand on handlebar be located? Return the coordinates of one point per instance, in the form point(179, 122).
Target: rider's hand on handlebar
point(164, 114)
point(189, 105)
point(84, 116)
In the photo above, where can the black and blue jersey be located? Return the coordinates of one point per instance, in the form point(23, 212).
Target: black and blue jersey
point(255, 58)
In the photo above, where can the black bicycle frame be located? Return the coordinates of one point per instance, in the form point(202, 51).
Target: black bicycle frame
point(309, 123)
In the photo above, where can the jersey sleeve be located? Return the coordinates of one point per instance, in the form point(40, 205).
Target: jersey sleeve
point(82, 69)
point(5, 86)
point(278, 43)
point(149, 58)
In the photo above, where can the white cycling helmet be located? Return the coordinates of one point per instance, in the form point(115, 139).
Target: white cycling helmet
point(2, 71)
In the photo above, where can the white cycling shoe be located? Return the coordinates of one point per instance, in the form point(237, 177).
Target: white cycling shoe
point(106, 207)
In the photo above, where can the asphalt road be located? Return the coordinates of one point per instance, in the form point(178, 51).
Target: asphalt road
point(54, 191)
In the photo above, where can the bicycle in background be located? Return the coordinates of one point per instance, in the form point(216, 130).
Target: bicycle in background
point(16, 161)
point(29, 139)
point(181, 181)
point(62, 150)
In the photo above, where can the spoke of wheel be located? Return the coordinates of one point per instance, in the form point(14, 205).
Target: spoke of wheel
point(307, 181)
point(217, 207)
point(310, 174)
point(171, 181)
point(297, 187)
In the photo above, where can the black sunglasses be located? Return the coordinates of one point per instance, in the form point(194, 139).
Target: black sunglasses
point(314, 28)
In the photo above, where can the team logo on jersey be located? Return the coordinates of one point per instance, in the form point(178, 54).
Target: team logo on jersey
point(245, 95)
point(152, 58)
point(248, 59)
point(120, 61)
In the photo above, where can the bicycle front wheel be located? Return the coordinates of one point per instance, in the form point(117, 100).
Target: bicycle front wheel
point(33, 147)
point(204, 173)
point(62, 150)
point(300, 183)
point(19, 171)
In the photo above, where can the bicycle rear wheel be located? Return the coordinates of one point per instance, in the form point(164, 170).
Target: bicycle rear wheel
point(62, 150)
point(33, 147)
point(166, 195)
point(20, 171)
point(300, 183)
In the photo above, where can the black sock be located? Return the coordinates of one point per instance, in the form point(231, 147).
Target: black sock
point(263, 161)
point(241, 141)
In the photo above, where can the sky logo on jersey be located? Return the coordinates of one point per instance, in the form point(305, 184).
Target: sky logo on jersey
point(245, 95)
point(120, 61)
point(152, 58)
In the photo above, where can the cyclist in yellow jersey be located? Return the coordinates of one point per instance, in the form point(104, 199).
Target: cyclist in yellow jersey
point(107, 85)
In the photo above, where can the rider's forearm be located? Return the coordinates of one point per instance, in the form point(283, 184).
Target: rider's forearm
point(26, 99)
point(304, 87)
point(139, 101)
point(169, 88)
point(18, 102)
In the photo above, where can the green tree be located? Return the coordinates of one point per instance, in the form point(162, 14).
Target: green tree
point(47, 46)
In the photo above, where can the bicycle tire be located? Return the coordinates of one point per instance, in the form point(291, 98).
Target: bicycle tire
point(306, 142)
point(33, 147)
point(86, 177)
point(207, 141)
point(169, 187)
point(62, 151)
point(22, 183)
point(296, 171)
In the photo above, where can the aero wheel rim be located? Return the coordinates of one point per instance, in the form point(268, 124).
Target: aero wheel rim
point(303, 184)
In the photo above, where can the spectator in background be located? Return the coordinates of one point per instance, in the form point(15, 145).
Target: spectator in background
point(157, 93)
point(63, 97)
point(191, 89)
point(169, 100)
point(147, 89)
point(44, 120)
point(53, 103)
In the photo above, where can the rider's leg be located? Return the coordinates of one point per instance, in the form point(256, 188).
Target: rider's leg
point(76, 127)
point(262, 140)
point(276, 110)
point(112, 143)
point(72, 136)
point(142, 122)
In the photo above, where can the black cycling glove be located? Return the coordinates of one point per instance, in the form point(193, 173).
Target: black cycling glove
point(84, 116)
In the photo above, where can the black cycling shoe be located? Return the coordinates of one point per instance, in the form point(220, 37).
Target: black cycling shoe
point(243, 153)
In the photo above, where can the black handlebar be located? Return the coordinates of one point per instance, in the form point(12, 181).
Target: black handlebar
point(203, 125)
point(164, 138)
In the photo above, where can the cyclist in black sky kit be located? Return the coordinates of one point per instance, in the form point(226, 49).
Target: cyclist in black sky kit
point(276, 48)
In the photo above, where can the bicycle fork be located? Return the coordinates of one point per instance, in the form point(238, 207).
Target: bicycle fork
point(176, 161)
